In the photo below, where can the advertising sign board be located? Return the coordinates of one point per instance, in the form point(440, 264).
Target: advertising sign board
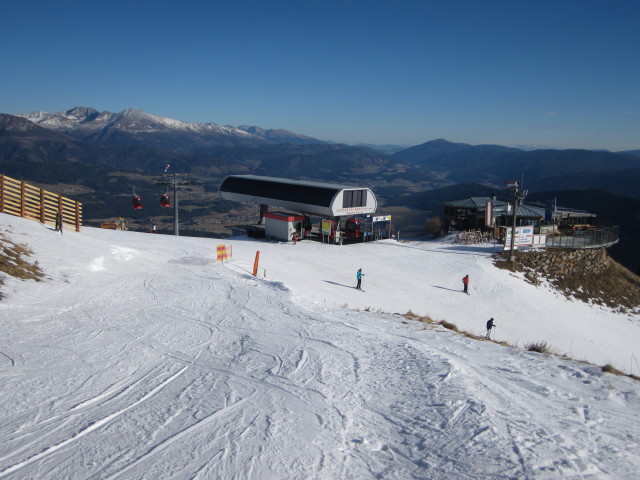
point(524, 236)
point(327, 227)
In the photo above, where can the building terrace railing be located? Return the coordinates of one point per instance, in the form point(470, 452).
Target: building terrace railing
point(581, 239)
point(24, 200)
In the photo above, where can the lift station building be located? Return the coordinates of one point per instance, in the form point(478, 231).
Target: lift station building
point(303, 198)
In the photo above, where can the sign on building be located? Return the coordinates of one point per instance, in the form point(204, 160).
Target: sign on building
point(524, 236)
point(327, 227)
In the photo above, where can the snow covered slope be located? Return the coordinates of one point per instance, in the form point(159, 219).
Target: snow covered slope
point(139, 356)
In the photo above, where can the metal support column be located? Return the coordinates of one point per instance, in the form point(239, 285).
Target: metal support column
point(175, 180)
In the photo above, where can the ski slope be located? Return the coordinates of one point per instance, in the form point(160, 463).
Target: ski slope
point(141, 357)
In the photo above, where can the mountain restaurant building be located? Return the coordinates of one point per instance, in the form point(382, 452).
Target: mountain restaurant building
point(471, 213)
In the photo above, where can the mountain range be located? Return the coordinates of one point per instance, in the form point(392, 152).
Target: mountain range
point(103, 151)
point(138, 141)
point(137, 128)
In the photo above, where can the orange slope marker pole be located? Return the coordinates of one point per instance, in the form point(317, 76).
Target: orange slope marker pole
point(255, 264)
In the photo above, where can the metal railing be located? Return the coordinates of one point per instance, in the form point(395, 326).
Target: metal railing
point(581, 239)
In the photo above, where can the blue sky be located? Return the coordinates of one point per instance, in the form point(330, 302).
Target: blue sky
point(559, 74)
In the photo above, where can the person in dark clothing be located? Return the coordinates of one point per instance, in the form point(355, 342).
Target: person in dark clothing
point(465, 283)
point(359, 276)
point(59, 222)
point(490, 325)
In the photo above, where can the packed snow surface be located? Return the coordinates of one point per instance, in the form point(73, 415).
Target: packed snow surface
point(141, 357)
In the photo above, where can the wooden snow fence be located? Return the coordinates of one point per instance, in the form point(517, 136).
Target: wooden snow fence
point(24, 200)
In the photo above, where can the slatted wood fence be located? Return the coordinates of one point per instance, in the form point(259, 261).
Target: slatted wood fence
point(24, 200)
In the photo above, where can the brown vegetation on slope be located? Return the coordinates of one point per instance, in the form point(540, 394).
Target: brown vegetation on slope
point(12, 262)
point(612, 286)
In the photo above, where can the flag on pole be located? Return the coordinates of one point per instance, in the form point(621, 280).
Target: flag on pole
point(548, 211)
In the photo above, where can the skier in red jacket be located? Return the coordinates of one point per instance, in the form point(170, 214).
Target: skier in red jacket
point(465, 282)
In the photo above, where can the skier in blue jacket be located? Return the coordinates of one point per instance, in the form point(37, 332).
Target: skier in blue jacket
point(359, 276)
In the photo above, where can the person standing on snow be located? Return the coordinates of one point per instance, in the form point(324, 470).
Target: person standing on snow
point(59, 220)
point(465, 283)
point(359, 276)
point(490, 325)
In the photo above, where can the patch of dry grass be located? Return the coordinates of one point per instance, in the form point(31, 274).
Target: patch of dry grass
point(474, 336)
point(419, 318)
point(538, 347)
point(611, 369)
point(12, 262)
point(616, 287)
point(449, 325)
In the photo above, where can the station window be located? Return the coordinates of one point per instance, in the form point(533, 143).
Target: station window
point(354, 198)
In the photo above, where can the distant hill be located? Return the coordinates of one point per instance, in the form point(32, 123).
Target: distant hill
point(625, 182)
point(279, 135)
point(389, 148)
point(434, 149)
point(433, 200)
point(493, 164)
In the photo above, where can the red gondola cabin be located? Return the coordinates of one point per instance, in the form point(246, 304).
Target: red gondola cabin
point(165, 201)
point(137, 202)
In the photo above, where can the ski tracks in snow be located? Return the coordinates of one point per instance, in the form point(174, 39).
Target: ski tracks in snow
point(229, 376)
point(514, 405)
point(89, 427)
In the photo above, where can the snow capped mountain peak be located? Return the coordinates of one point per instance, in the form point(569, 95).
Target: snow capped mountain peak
point(133, 119)
point(13, 123)
point(81, 112)
point(87, 123)
point(34, 116)
point(133, 112)
point(133, 126)
point(61, 121)
point(137, 115)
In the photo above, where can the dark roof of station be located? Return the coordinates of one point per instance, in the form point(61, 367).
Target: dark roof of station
point(311, 193)
point(524, 209)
